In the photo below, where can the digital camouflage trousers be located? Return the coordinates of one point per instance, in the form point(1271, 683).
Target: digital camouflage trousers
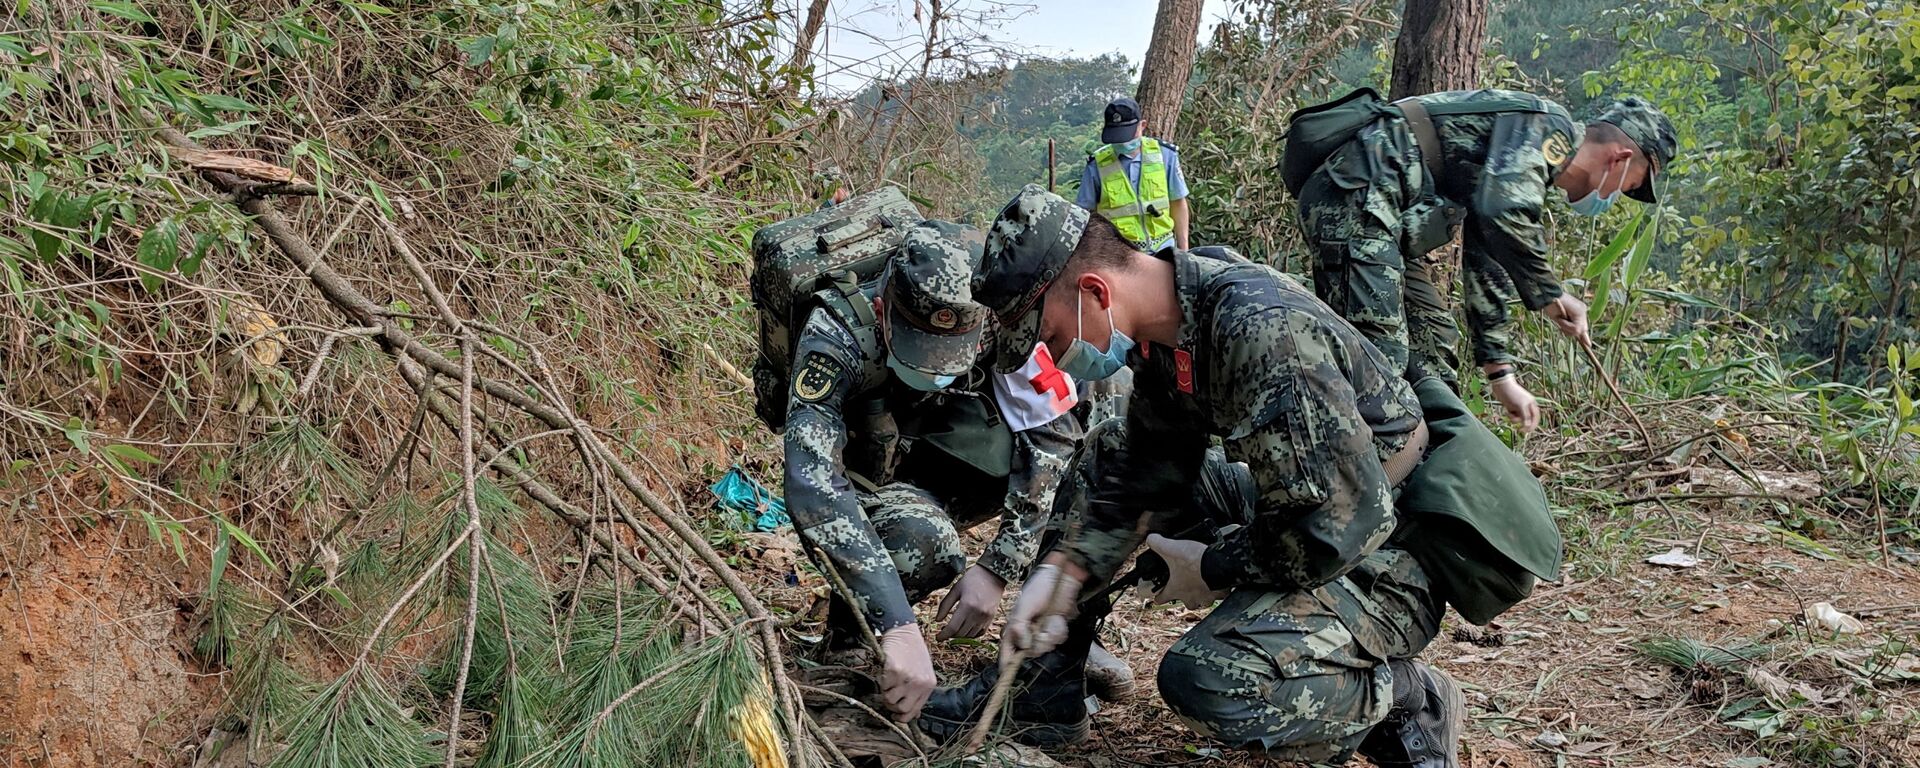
point(922, 538)
point(1299, 674)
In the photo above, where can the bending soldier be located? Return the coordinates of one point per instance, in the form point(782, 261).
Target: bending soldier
point(1376, 207)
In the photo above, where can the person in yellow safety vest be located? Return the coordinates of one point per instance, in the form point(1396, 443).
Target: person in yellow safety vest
point(1135, 181)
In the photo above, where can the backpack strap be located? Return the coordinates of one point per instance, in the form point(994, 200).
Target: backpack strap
point(1420, 124)
point(845, 300)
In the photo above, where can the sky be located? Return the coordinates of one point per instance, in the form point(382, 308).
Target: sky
point(865, 38)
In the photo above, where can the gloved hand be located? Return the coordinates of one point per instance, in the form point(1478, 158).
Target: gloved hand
point(908, 679)
point(1038, 621)
point(1184, 582)
point(969, 607)
point(1520, 405)
point(1570, 316)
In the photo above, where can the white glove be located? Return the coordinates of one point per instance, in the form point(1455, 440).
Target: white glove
point(1520, 405)
point(908, 679)
point(1038, 621)
point(1184, 582)
point(969, 607)
point(1570, 316)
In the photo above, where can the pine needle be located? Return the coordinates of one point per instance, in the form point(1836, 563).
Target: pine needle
point(513, 621)
point(684, 710)
point(225, 613)
point(519, 713)
point(266, 690)
point(1693, 656)
point(354, 723)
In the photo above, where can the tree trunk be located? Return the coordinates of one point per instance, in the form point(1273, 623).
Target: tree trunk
point(1439, 46)
point(1163, 78)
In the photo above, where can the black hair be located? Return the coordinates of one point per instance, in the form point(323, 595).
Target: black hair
point(1101, 246)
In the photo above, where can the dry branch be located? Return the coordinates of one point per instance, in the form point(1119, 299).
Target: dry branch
point(555, 414)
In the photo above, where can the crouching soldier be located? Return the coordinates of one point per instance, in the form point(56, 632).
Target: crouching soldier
point(1328, 590)
point(895, 442)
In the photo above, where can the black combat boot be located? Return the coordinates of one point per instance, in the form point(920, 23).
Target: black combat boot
point(842, 642)
point(1423, 728)
point(1046, 708)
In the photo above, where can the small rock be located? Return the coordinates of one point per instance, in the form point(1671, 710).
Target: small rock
point(1551, 739)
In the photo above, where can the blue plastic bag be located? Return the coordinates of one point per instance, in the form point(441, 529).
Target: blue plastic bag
point(747, 498)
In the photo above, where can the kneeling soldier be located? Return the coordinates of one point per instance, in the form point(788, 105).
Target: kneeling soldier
point(1329, 591)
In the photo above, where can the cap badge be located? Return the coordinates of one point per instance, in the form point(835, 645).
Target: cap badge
point(942, 319)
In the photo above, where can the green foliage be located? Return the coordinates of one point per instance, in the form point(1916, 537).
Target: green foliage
point(1256, 70)
point(1801, 123)
point(1037, 101)
point(355, 723)
point(1692, 656)
point(684, 714)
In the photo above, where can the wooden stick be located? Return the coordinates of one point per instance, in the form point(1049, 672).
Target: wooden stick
point(727, 367)
point(1009, 667)
point(1593, 358)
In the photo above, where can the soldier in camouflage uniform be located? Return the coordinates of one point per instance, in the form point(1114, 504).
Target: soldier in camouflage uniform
point(1308, 656)
point(876, 481)
point(1373, 216)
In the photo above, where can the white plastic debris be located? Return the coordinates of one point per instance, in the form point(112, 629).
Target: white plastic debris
point(1829, 617)
point(1675, 558)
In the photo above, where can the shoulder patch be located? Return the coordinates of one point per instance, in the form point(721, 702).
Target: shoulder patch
point(1556, 147)
point(817, 377)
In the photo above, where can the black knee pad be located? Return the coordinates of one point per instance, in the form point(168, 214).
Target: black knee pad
point(1194, 690)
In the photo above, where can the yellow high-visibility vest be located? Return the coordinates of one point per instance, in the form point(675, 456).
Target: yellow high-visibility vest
point(1143, 215)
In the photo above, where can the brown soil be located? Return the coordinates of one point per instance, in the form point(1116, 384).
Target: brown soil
point(94, 669)
point(1563, 662)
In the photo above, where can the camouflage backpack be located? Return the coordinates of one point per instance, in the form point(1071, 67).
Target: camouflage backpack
point(819, 260)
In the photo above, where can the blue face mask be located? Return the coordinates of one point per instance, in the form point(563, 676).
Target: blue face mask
point(924, 382)
point(1085, 362)
point(1593, 204)
point(1129, 147)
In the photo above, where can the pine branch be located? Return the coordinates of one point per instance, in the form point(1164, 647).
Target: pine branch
point(555, 414)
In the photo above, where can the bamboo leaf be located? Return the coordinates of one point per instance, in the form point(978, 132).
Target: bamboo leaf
point(127, 11)
point(225, 103)
point(130, 453)
point(1602, 289)
point(222, 550)
point(1615, 247)
point(1637, 263)
point(239, 534)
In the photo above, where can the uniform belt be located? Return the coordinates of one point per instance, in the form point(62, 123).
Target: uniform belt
point(1402, 462)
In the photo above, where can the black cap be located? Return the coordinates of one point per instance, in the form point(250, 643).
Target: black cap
point(1120, 118)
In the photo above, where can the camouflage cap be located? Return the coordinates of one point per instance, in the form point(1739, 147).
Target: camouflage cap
point(1651, 130)
point(1027, 247)
point(933, 324)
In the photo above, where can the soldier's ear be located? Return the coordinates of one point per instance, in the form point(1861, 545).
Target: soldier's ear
point(1098, 286)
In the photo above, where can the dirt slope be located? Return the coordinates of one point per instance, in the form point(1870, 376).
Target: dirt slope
point(94, 668)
